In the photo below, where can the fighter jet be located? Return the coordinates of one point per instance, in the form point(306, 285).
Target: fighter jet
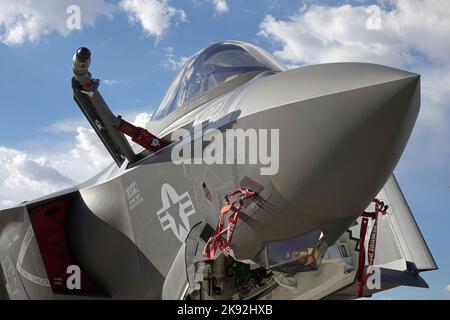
point(251, 181)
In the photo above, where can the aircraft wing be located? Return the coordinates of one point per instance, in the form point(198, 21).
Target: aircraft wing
point(400, 232)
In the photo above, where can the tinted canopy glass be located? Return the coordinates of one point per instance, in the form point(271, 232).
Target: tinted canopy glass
point(211, 67)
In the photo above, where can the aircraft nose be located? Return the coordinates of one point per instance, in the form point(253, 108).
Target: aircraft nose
point(343, 128)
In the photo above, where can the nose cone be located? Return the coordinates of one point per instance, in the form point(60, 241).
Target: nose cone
point(343, 128)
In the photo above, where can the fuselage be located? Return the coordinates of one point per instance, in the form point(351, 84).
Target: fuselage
point(338, 131)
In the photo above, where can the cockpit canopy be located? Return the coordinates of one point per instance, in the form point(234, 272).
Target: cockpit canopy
point(211, 67)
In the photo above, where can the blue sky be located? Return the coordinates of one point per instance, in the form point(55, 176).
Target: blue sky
point(45, 142)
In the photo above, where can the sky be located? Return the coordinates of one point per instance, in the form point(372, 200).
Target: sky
point(139, 45)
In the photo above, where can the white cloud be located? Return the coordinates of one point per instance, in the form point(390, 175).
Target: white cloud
point(25, 176)
point(24, 21)
point(142, 119)
point(28, 20)
point(109, 82)
point(221, 6)
point(154, 16)
point(89, 156)
point(320, 34)
point(171, 61)
point(90, 149)
point(447, 288)
point(65, 126)
point(435, 95)
point(409, 34)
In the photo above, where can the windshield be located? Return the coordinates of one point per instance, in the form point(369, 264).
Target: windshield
point(211, 67)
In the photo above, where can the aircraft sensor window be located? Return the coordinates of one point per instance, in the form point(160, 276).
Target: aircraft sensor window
point(299, 254)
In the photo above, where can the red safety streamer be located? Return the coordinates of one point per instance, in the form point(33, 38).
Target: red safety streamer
point(380, 208)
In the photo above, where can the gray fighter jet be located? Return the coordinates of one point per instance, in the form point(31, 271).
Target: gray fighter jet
point(251, 181)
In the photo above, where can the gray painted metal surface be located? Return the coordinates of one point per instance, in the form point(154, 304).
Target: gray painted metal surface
point(342, 129)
